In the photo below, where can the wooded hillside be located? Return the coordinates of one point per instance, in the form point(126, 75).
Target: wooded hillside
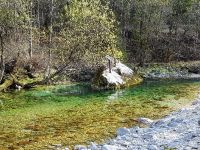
point(48, 35)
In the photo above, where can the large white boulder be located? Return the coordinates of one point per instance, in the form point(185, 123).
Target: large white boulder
point(116, 77)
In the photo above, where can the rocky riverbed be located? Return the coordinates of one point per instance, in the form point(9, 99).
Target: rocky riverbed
point(182, 70)
point(179, 130)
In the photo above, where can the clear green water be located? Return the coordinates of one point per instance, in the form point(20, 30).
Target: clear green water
point(75, 114)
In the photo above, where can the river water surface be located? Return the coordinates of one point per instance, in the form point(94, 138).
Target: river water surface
point(75, 114)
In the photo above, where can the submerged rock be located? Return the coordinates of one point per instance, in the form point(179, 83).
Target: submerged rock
point(118, 76)
point(1, 103)
point(145, 121)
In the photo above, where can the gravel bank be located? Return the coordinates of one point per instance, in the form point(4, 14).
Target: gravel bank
point(180, 130)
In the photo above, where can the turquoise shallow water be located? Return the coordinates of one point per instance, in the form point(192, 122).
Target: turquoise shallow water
point(75, 114)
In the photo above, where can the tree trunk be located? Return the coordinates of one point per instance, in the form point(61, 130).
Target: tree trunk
point(2, 67)
point(30, 52)
point(141, 50)
point(48, 70)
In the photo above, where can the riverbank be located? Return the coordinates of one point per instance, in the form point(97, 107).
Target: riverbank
point(179, 130)
point(179, 70)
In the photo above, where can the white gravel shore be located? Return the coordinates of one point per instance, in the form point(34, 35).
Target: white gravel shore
point(180, 130)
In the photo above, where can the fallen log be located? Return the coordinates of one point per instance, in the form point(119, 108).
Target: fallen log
point(47, 80)
point(6, 84)
point(11, 82)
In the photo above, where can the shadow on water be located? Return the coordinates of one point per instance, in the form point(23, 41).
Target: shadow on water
point(76, 114)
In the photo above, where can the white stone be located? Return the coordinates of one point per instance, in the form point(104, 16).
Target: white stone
point(109, 147)
point(134, 135)
point(172, 124)
point(185, 110)
point(196, 102)
point(93, 146)
point(123, 131)
point(19, 87)
point(145, 121)
point(80, 147)
point(116, 77)
point(152, 147)
point(123, 143)
point(158, 123)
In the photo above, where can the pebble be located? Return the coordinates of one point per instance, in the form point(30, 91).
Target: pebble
point(93, 146)
point(109, 147)
point(145, 121)
point(152, 147)
point(122, 131)
point(80, 147)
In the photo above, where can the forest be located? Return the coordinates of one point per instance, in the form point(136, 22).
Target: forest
point(61, 35)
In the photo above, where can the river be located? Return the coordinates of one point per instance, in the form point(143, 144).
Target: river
point(75, 114)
